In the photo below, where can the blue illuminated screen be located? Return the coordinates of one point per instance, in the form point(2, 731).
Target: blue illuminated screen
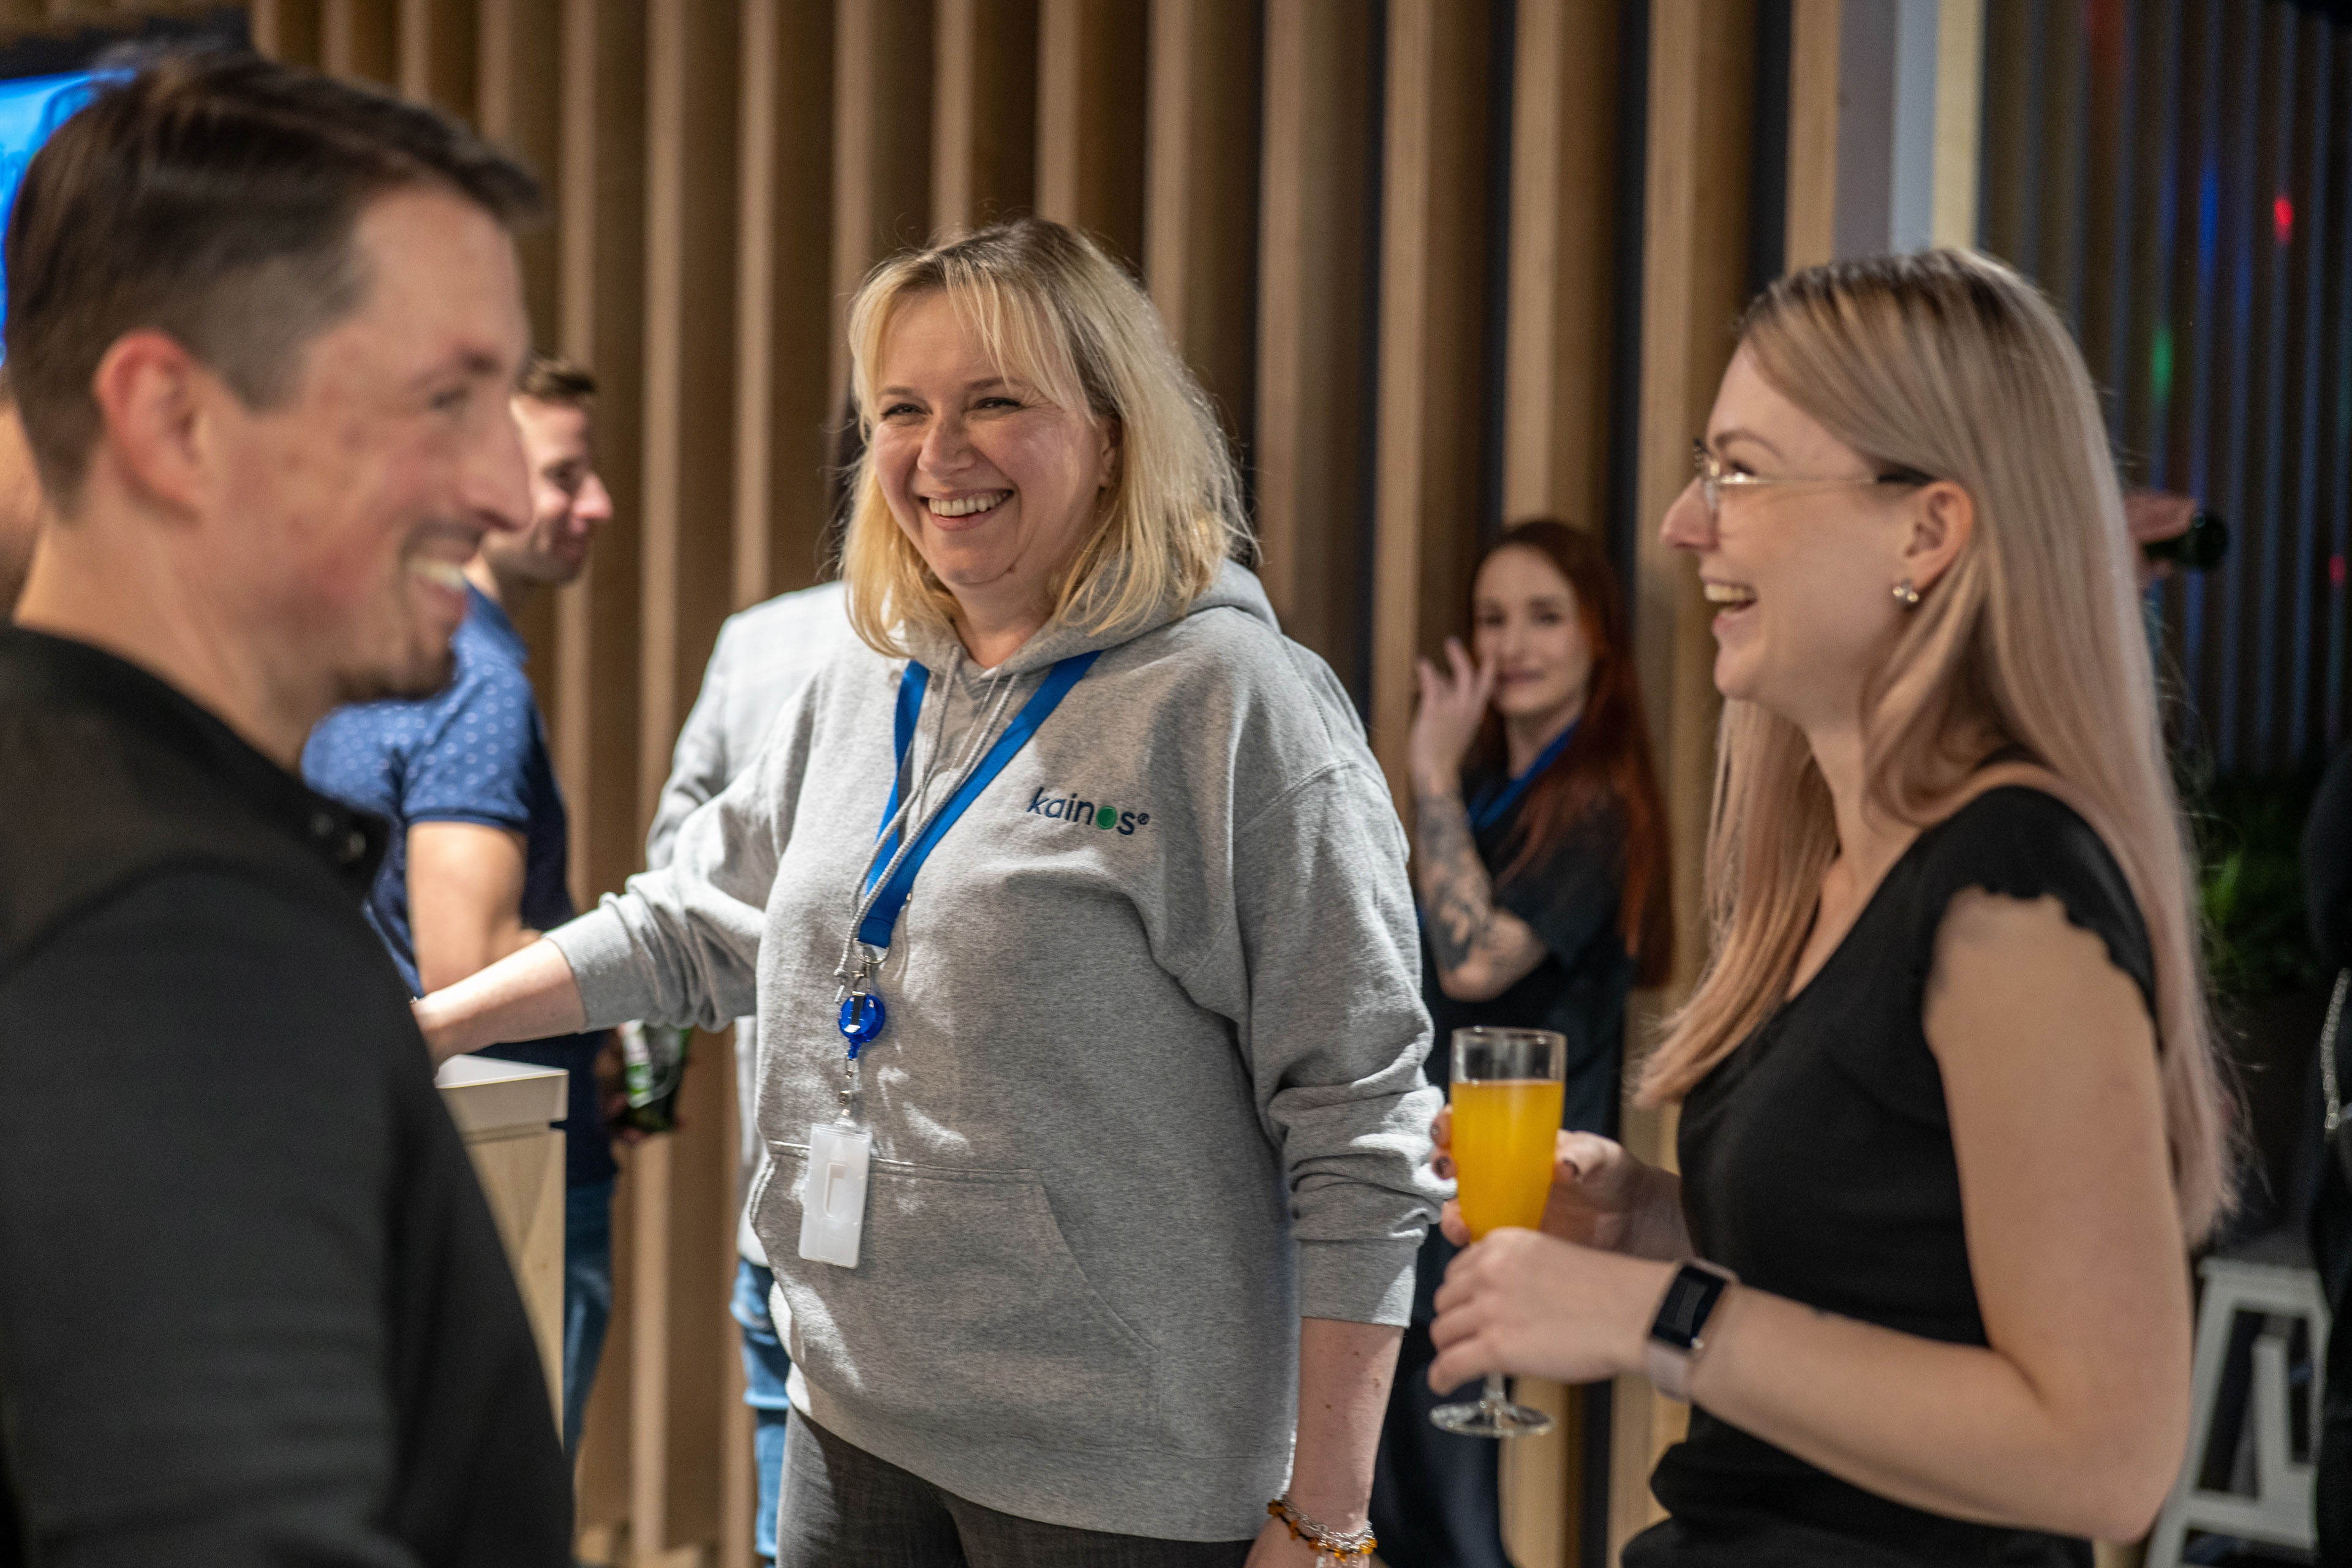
point(30, 109)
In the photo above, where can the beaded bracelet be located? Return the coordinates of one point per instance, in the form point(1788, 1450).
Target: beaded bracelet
point(1341, 1549)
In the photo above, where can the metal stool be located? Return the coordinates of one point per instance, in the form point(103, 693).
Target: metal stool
point(2272, 1276)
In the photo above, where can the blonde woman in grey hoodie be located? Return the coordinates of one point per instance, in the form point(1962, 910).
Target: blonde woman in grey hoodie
point(1074, 914)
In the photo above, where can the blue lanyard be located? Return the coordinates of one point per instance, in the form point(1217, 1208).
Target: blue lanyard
point(1489, 805)
point(882, 915)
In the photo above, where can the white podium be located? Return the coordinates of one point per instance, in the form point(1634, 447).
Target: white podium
point(504, 1110)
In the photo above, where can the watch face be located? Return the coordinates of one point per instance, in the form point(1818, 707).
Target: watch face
point(1684, 1313)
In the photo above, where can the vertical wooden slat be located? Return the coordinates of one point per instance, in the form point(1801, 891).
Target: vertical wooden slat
point(882, 142)
point(984, 114)
point(1433, 304)
point(1200, 233)
point(287, 31)
point(2265, 534)
point(360, 39)
point(438, 51)
point(518, 52)
point(2144, 428)
point(1815, 28)
point(682, 1259)
point(2011, 134)
point(2110, 151)
point(601, 298)
point(2336, 429)
point(785, 396)
point(1695, 248)
point(2238, 284)
point(1563, 204)
point(2060, 153)
point(1090, 119)
point(2305, 334)
point(514, 52)
point(1556, 424)
point(1312, 277)
point(1959, 120)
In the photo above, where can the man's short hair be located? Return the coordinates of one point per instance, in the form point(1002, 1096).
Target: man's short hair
point(553, 379)
point(213, 197)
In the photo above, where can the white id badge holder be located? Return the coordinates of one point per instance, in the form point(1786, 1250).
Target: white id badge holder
point(833, 1193)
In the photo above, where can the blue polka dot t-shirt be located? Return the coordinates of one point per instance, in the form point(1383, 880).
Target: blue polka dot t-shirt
point(474, 752)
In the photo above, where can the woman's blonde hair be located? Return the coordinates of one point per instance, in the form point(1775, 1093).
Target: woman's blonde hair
point(1950, 364)
point(1056, 313)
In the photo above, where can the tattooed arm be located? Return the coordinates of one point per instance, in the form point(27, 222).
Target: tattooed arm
point(1481, 950)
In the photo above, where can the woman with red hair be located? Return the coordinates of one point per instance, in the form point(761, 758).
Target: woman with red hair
point(1541, 866)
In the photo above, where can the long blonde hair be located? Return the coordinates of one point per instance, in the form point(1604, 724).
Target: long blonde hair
point(1056, 312)
point(1950, 364)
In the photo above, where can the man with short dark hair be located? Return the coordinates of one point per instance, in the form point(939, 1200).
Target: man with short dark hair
point(253, 1307)
point(476, 863)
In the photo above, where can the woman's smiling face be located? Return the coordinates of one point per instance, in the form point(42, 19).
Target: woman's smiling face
point(1525, 620)
point(995, 487)
point(1804, 574)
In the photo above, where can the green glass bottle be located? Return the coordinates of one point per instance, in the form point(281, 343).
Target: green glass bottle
point(653, 1067)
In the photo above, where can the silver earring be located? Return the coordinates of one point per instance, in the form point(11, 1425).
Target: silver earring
point(1906, 595)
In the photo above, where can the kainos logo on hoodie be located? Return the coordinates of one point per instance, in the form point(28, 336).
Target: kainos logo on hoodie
point(1069, 808)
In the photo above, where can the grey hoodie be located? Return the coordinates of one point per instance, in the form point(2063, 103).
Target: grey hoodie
point(1150, 1088)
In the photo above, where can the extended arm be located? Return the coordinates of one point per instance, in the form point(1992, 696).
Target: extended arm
point(2073, 1418)
point(527, 996)
point(465, 899)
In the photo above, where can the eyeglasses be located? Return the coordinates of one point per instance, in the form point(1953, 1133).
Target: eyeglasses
point(1714, 478)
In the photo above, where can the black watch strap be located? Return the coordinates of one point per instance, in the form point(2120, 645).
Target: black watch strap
point(1678, 1332)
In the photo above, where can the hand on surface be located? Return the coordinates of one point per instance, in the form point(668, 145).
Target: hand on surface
point(1519, 1302)
point(1597, 1190)
point(1453, 705)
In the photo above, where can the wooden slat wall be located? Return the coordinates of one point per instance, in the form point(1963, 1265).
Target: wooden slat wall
point(1310, 190)
point(2174, 172)
point(1693, 279)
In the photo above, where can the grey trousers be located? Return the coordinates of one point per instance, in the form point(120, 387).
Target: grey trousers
point(843, 1508)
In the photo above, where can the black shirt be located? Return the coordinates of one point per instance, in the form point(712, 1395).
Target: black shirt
point(1569, 897)
point(1817, 1164)
point(253, 1307)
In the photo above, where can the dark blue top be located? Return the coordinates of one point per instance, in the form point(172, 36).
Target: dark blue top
point(1570, 899)
point(474, 752)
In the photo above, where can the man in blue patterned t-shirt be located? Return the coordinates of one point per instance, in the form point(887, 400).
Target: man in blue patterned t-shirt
point(475, 867)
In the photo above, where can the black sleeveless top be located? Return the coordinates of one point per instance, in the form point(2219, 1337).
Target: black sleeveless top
point(1817, 1164)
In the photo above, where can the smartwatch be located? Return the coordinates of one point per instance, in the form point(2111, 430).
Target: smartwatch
point(1678, 1332)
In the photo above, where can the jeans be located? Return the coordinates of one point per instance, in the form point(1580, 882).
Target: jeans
point(587, 1295)
point(843, 1508)
point(765, 1368)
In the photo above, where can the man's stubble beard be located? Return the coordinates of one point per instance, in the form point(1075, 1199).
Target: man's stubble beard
point(425, 676)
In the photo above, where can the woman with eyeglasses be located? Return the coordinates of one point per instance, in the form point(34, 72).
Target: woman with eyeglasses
point(1949, 1106)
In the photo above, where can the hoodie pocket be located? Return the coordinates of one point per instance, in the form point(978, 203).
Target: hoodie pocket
point(967, 1313)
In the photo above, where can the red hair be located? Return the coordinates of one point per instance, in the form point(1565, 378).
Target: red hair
point(1607, 760)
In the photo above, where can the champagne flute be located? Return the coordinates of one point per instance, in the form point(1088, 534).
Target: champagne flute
point(1507, 1106)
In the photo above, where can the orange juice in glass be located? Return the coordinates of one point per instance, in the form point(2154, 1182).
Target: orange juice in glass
point(1506, 1099)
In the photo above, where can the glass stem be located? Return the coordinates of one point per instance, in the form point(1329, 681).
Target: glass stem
point(1495, 1396)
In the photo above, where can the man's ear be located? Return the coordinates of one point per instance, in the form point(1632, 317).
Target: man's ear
point(1943, 518)
point(155, 404)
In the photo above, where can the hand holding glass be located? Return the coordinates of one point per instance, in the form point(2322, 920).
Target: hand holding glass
point(1507, 1104)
